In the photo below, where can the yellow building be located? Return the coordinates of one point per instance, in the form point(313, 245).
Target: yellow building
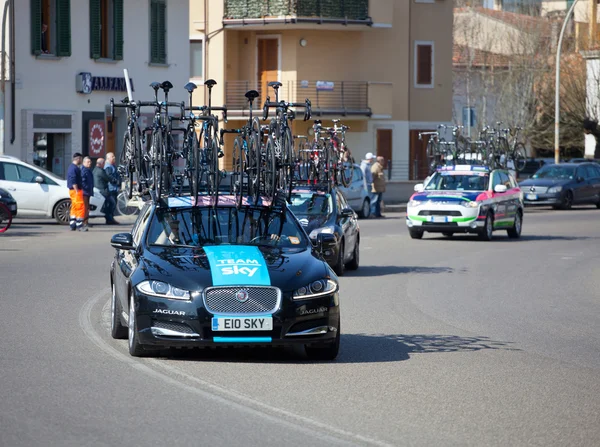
point(384, 67)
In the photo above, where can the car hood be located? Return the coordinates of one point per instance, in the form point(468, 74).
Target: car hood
point(446, 196)
point(544, 182)
point(197, 268)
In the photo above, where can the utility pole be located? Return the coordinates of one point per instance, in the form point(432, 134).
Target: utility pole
point(3, 76)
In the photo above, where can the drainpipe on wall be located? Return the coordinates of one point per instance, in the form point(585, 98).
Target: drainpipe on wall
point(3, 77)
point(12, 72)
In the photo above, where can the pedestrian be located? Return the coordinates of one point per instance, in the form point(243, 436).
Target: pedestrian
point(365, 166)
point(590, 128)
point(75, 185)
point(378, 185)
point(114, 184)
point(101, 181)
point(87, 178)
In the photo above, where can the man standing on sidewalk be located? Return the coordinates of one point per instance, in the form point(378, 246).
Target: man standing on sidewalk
point(365, 166)
point(75, 185)
point(113, 188)
point(378, 184)
point(87, 179)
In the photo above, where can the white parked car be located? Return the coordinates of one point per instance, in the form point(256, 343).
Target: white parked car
point(40, 193)
point(356, 193)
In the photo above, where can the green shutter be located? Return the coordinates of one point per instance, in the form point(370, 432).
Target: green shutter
point(95, 30)
point(118, 27)
point(63, 27)
point(158, 44)
point(36, 27)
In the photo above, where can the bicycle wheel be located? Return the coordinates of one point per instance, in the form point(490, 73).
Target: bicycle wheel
point(127, 163)
point(193, 163)
point(289, 157)
point(346, 167)
point(157, 150)
point(269, 169)
point(238, 170)
point(123, 205)
point(254, 167)
point(519, 157)
point(503, 151)
point(5, 218)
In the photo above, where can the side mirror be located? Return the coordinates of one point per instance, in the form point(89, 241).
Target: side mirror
point(500, 188)
point(347, 212)
point(39, 179)
point(419, 187)
point(324, 240)
point(122, 241)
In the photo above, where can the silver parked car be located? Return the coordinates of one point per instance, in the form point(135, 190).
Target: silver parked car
point(357, 195)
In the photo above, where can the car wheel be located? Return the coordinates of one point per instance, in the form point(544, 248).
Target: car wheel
point(353, 264)
point(365, 211)
point(415, 234)
point(117, 329)
point(340, 267)
point(324, 351)
point(62, 212)
point(448, 234)
point(135, 348)
point(567, 201)
point(515, 231)
point(487, 231)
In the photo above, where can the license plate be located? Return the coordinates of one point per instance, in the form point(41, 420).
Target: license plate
point(439, 219)
point(242, 324)
point(531, 196)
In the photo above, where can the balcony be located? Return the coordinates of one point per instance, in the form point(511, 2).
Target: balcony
point(328, 98)
point(267, 12)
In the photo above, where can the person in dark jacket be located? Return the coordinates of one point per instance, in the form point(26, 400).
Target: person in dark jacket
point(87, 179)
point(101, 181)
point(75, 185)
point(113, 188)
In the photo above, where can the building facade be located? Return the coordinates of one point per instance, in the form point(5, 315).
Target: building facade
point(384, 67)
point(69, 57)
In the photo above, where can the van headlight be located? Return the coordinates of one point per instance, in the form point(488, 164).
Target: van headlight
point(163, 290)
point(473, 204)
point(316, 289)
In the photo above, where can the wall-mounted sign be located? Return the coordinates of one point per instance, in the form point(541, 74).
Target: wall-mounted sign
point(304, 83)
point(49, 121)
point(96, 138)
point(325, 86)
point(86, 83)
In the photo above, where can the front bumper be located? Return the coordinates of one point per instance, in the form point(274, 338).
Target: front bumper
point(12, 206)
point(542, 199)
point(171, 323)
point(445, 218)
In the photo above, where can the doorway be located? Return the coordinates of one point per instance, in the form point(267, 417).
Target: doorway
point(267, 64)
point(418, 165)
point(384, 146)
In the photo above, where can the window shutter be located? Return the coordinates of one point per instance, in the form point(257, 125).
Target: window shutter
point(424, 64)
point(118, 24)
point(162, 35)
point(158, 49)
point(95, 30)
point(63, 27)
point(36, 27)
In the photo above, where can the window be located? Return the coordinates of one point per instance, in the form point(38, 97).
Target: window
point(504, 180)
point(51, 27)
point(106, 29)
point(496, 180)
point(196, 59)
point(12, 172)
point(158, 32)
point(423, 64)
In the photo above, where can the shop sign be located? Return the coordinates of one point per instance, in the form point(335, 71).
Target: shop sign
point(86, 83)
point(326, 86)
point(51, 121)
point(96, 139)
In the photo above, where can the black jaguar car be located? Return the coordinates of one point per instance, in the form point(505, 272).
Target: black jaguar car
point(328, 216)
point(197, 276)
point(9, 201)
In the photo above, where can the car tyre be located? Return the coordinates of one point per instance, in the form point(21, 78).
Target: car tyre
point(515, 231)
point(365, 211)
point(135, 348)
point(340, 267)
point(487, 231)
point(415, 234)
point(567, 201)
point(117, 329)
point(354, 263)
point(448, 234)
point(62, 212)
point(324, 351)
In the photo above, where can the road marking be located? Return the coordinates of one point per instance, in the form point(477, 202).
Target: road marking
point(215, 392)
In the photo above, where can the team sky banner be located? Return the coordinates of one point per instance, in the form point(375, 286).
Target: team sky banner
point(237, 265)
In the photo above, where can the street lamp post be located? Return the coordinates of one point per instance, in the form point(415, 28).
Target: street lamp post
point(557, 86)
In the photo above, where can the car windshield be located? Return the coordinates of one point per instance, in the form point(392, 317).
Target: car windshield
point(311, 204)
point(555, 171)
point(450, 181)
point(199, 226)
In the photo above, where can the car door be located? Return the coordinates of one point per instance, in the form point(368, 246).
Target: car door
point(594, 182)
point(500, 208)
point(20, 180)
point(510, 198)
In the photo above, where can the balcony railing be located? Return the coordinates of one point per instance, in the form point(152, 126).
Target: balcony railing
point(297, 11)
point(327, 97)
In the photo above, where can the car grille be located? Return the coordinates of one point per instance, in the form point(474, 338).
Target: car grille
point(439, 213)
point(172, 326)
point(439, 224)
point(224, 300)
point(538, 189)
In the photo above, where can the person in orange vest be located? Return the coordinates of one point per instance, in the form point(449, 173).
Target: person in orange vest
point(75, 185)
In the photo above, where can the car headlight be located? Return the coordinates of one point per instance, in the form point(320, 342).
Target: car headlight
point(415, 202)
point(163, 290)
point(473, 204)
point(326, 230)
point(554, 189)
point(315, 289)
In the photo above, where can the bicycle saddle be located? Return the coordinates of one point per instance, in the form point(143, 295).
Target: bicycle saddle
point(275, 84)
point(252, 95)
point(155, 86)
point(317, 121)
point(166, 86)
point(335, 121)
point(190, 87)
point(210, 83)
